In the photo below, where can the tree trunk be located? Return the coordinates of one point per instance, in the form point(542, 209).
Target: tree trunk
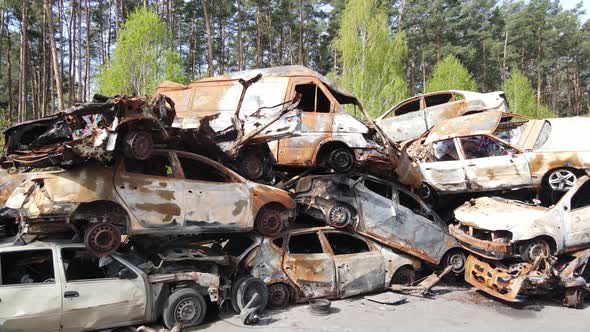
point(401, 14)
point(301, 32)
point(485, 65)
point(22, 85)
point(240, 46)
point(504, 56)
point(87, 59)
point(258, 46)
point(9, 74)
point(210, 71)
point(80, 94)
point(71, 55)
point(539, 67)
point(269, 32)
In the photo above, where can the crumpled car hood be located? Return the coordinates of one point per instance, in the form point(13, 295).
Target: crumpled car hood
point(493, 213)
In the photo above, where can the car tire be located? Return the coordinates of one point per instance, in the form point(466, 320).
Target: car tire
point(533, 249)
point(252, 164)
point(456, 258)
point(561, 179)
point(405, 275)
point(279, 295)
point(138, 145)
point(270, 220)
point(185, 306)
point(339, 216)
point(244, 289)
point(102, 238)
point(341, 160)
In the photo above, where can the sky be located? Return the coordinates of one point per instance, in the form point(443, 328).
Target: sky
point(569, 4)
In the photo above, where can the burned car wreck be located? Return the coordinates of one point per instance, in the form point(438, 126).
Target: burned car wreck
point(383, 211)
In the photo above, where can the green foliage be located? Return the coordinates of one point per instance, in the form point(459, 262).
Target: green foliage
point(450, 74)
point(371, 61)
point(521, 96)
point(4, 123)
point(142, 57)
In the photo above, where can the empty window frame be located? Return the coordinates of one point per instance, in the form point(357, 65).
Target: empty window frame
point(156, 165)
point(313, 99)
point(79, 264)
point(27, 267)
point(308, 243)
point(197, 170)
point(344, 244)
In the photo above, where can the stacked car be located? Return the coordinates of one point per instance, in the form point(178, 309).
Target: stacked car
point(263, 188)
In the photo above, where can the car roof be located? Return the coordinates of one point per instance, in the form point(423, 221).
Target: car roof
point(474, 124)
point(39, 244)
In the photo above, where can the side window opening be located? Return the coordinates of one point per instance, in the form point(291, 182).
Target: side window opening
point(79, 264)
point(27, 267)
point(378, 188)
point(344, 244)
point(412, 204)
point(445, 150)
point(278, 242)
point(476, 147)
point(305, 244)
point(408, 107)
point(438, 99)
point(196, 170)
point(158, 165)
point(581, 198)
point(313, 99)
point(236, 246)
point(543, 135)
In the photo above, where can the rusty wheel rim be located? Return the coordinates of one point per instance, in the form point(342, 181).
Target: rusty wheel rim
point(140, 145)
point(186, 310)
point(270, 222)
point(341, 160)
point(278, 296)
point(537, 248)
point(102, 239)
point(339, 216)
point(253, 167)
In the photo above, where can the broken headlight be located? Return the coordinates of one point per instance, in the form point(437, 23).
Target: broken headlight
point(502, 236)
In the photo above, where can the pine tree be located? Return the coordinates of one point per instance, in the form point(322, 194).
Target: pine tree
point(450, 74)
point(371, 61)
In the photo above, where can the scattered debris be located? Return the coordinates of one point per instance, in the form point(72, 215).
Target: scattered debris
point(320, 307)
point(424, 287)
point(387, 298)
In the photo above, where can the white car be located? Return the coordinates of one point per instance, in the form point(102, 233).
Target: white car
point(412, 117)
point(59, 286)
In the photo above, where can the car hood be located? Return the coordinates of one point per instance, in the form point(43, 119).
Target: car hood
point(493, 213)
point(566, 135)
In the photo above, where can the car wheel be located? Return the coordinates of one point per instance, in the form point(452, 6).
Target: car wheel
point(245, 289)
point(339, 216)
point(270, 220)
point(455, 258)
point(138, 145)
point(279, 295)
point(561, 180)
point(102, 238)
point(341, 160)
point(252, 165)
point(533, 249)
point(405, 275)
point(185, 306)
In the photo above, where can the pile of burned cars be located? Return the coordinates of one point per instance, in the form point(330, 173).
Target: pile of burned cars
point(257, 189)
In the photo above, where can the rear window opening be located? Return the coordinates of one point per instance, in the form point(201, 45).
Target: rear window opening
point(438, 99)
point(27, 267)
point(408, 107)
point(305, 244)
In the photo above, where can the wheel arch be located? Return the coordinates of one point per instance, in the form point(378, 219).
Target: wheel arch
point(325, 147)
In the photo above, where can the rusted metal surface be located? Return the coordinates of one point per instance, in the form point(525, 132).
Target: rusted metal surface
point(376, 210)
point(412, 117)
point(499, 228)
point(85, 131)
point(209, 281)
point(493, 151)
point(325, 273)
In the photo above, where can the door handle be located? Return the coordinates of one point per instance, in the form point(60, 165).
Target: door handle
point(71, 294)
point(190, 191)
point(471, 165)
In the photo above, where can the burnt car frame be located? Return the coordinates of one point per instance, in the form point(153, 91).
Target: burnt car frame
point(326, 135)
point(324, 262)
point(411, 118)
point(498, 228)
point(495, 151)
point(171, 192)
point(383, 211)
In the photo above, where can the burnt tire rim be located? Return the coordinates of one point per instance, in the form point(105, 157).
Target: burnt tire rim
point(102, 238)
point(537, 248)
point(253, 167)
point(403, 276)
point(341, 160)
point(140, 145)
point(457, 261)
point(278, 296)
point(270, 222)
point(252, 289)
point(562, 180)
point(187, 310)
point(339, 216)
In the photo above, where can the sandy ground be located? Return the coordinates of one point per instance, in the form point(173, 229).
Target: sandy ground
point(453, 309)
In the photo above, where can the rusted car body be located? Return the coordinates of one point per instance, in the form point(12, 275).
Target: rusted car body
point(323, 262)
point(545, 275)
point(498, 228)
point(90, 130)
point(494, 151)
point(171, 192)
point(383, 211)
point(326, 133)
point(414, 116)
point(59, 286)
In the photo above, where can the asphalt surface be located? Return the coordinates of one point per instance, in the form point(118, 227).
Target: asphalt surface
point(452, 309)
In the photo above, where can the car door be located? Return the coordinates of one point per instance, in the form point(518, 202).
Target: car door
point(491, 164)
point(309, 265)
point(405, 121)
point(359, 269)
point(317, 117)
point(578, 217)
point(215, 198)
point(94, 297)
point(30, 290)
point(445, 172)
point(153, 190)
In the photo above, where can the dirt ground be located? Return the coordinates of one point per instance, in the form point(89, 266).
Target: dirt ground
point(454, 308)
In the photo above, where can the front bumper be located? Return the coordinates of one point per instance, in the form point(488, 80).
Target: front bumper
point(498, 281)
point(487, 249)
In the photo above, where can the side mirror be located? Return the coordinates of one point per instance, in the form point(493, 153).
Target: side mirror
point(126, 273)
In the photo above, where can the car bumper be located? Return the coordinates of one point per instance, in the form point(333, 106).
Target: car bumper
point(497, 281)
point(487, 249)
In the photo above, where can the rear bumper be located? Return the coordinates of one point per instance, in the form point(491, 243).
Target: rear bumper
point(487, 249)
